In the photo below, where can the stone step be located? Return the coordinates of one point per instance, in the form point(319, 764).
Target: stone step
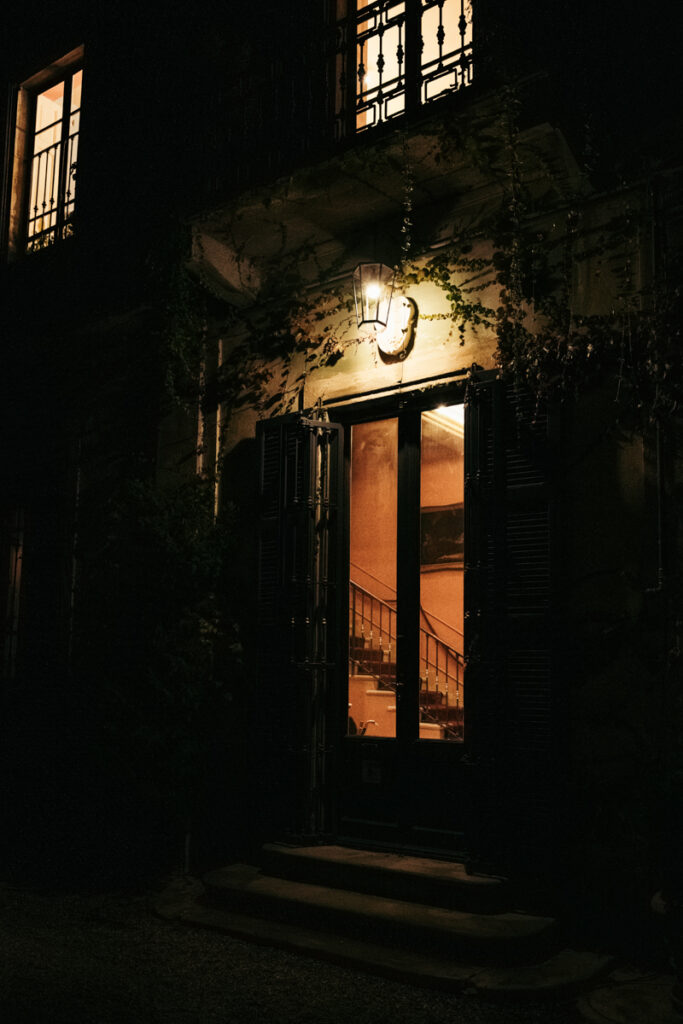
point(438, 883)
point(563, 974)
point(508, 937)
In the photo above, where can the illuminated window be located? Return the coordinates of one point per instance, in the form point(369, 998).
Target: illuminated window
point(46, 156)
point(394, 55)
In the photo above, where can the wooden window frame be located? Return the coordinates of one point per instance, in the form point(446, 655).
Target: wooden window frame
point(20, 149)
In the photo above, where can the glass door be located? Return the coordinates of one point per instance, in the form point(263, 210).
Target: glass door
point(373, 545)
point(442, 545)
point(406, 686)
point(374, 555)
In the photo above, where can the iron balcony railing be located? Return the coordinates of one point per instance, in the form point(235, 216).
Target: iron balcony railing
point(53, 193)
point(395, 55)
point(319, 80)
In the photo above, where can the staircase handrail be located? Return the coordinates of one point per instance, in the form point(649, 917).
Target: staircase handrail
point(452, 673)
point(376, 579)
point(437, 639)
point(451, 650)
point(428, 615)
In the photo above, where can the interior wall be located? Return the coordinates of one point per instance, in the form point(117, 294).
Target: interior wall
point(442, 483)
point(442, 598)
point(373, 531)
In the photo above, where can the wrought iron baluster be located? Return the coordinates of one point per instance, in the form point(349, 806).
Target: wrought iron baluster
point(380, 59)
point(462, 25)
point(48, 191)
point(400, 54)
point(54, 191)
point(43, 204)
point(35, 184)
point(360, 72)
point(440, 34)
point(71, 175)
point(457, 688)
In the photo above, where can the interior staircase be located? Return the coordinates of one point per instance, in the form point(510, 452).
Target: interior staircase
point(372, 658)
point(415, 919)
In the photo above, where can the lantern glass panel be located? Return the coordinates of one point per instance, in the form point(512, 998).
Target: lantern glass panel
point(373, 285)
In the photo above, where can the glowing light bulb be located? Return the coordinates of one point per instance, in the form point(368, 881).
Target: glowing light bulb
point(374, 291)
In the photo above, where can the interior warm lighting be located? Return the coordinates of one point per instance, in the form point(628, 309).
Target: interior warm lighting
point(448, 417)
point(52, 182)
point(452, 412)
point(433, 698)
point(373, 286)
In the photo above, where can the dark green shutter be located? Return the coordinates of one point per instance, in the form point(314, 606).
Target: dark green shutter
point(299, 551)
point(512, 725)
point(531, 793)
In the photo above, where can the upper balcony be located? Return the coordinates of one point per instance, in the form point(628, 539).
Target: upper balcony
point(325, 134)
point(394, 56)
point(301, 118)
point(318, 83)
point(319, 124)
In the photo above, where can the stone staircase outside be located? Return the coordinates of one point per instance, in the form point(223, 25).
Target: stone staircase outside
point(417, 919)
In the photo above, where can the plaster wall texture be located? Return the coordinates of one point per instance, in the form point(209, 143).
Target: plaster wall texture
point(437, 350)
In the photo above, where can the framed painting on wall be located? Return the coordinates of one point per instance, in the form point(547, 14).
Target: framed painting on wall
point(442, 536)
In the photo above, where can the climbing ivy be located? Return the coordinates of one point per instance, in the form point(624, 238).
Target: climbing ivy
point(508, 273)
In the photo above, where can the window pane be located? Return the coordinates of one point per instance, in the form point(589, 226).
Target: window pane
point(442, 494)
point(372, 574)
point(49, 108)
point(46, 166)
point(53, 167)
point(76, 90)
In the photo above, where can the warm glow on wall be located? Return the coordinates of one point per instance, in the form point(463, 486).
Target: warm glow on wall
point(448, 417)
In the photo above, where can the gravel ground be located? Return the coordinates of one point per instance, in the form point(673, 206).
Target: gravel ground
point(107, 959)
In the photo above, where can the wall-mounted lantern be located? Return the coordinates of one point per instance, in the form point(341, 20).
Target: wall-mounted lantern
point(373, 285)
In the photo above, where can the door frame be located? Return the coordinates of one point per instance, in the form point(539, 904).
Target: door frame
point(510, 770)
point(396, 772)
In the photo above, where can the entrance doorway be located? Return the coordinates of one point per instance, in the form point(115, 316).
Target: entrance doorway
point(405, 730)
point(398, 539)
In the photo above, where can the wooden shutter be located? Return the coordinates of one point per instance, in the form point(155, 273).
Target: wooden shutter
point(512, 721)
point(299, 569)
point(531, 777)
point(483, 610)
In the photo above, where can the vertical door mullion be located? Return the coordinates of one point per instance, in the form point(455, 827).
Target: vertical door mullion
point(408, 576)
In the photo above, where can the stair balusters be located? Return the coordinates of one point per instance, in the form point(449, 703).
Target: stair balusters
point(372, 646)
